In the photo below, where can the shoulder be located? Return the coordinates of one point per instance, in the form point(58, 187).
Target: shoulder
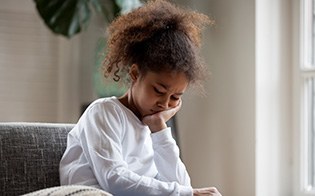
point(108, 104)
point(104, 110)
point(103, 115)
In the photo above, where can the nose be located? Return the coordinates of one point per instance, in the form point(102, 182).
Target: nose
point(164, 103)
point(167, 102)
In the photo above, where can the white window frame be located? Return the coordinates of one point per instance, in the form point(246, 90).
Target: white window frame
point(303, 70)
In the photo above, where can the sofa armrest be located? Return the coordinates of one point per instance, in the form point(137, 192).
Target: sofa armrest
point(30, 154)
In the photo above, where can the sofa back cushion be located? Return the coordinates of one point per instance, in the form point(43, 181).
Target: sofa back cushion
point(30, 154)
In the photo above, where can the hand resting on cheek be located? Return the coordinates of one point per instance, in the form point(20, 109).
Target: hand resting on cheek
point(157, 121)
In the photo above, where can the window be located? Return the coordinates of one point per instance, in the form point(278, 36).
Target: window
point(307, 76)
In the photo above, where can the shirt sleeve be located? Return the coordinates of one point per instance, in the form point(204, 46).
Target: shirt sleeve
point(167, 159)
point(101, 142)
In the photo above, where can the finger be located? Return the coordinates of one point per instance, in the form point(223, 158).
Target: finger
point(180, 103)
point(175, 109)
point(178, 106)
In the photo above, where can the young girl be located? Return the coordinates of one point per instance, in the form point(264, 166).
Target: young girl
point(123, 145)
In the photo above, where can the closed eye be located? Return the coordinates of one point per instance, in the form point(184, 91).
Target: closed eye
point(158, 91)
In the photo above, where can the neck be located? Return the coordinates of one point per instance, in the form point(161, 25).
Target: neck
point(127, 100)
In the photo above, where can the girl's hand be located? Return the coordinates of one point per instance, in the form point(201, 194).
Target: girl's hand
point(209, 191)
point(157, 121)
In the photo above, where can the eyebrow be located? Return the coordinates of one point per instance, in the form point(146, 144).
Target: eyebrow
point(167, 87)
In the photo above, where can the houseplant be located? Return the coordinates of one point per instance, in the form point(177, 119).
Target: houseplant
point(70, 17)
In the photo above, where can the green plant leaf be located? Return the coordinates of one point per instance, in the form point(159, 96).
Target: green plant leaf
point(69, 17)
point(65, 17)
point(127, 5)
point(108, 8)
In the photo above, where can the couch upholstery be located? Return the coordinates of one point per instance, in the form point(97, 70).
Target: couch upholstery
point(30, 155)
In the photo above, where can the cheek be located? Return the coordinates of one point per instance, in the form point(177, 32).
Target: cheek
point(151, 100)
point(149, 96)
point(146, 99)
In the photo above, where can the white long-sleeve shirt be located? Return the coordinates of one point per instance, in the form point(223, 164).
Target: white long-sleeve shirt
point(112, 149)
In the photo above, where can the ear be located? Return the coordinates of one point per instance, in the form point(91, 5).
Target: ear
point(134, 72)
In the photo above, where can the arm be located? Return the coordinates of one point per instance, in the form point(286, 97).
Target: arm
point(101, 143)
point(167, 160)
point(166, 152)
point(166, 156)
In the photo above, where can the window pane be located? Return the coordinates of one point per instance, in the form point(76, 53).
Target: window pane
point(309, 34)
point(312, 49)
point(310, 132)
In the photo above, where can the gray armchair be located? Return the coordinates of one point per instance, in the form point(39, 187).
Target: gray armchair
point(29, 156)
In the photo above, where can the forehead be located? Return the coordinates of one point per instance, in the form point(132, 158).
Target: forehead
point(170, 80)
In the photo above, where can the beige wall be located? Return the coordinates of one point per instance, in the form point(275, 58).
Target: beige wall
point(239, 138)
point(218, 132)
point(43, 77)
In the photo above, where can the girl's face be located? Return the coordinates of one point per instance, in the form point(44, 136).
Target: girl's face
point(155, 92)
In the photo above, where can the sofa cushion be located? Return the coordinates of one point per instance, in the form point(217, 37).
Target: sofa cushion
point(73, 190)
point(30, 155)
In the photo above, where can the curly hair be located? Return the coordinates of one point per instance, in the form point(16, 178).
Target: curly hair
point(158, 37)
